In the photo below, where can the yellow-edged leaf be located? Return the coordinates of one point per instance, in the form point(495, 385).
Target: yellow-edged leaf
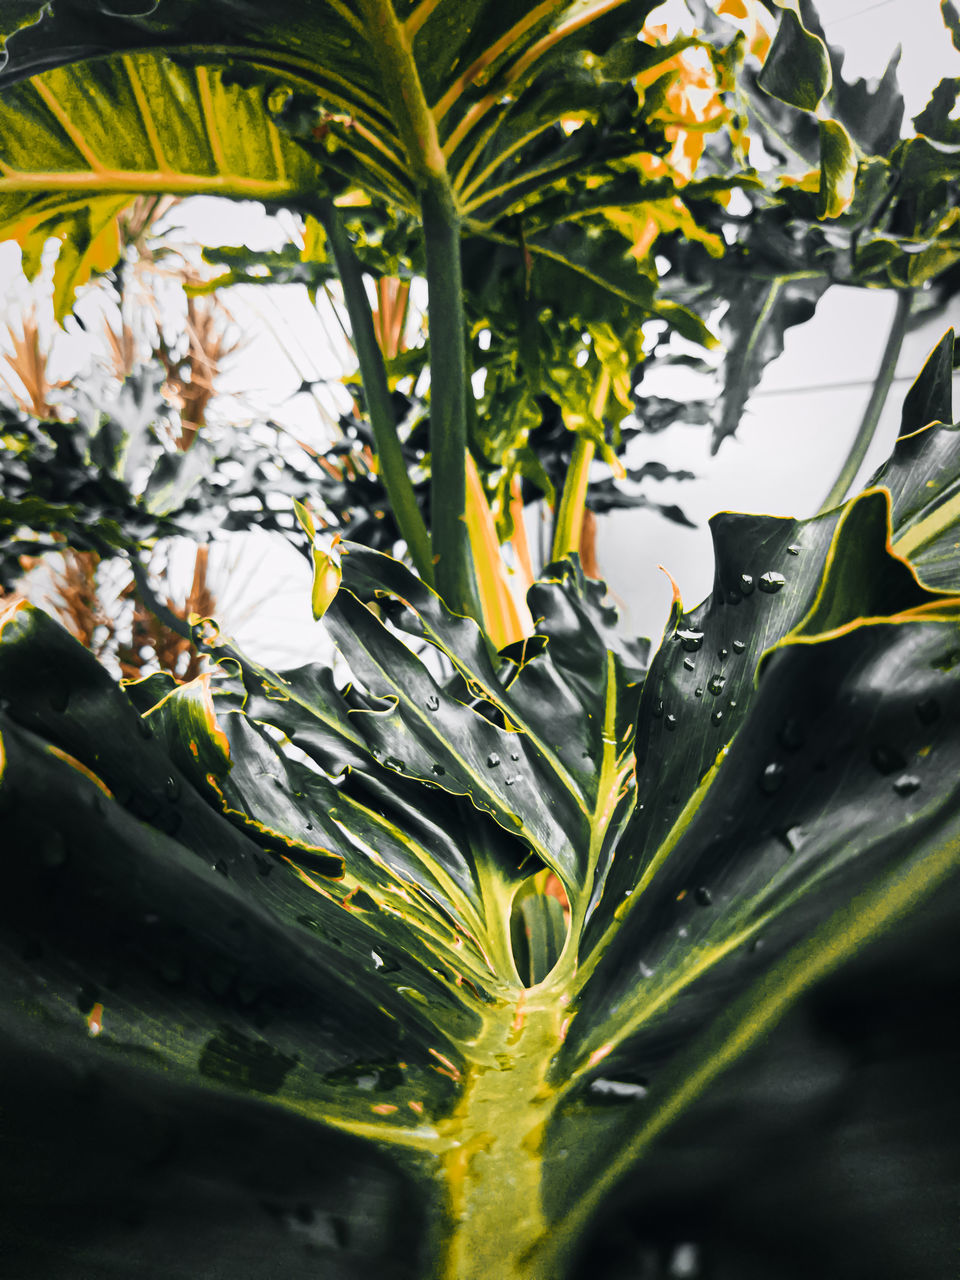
point(78, 143)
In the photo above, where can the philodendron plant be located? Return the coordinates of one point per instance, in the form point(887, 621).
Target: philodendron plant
point(525, 157)
point(479, 955)
point(414, 967)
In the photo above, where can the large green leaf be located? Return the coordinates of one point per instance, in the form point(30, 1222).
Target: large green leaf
point(76, 144)
point(417, 91)
point(388, 98)
point(283, 894)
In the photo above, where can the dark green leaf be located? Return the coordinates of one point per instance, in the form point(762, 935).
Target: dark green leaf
point(930, 399)
point(797, 68)
point(753, 328)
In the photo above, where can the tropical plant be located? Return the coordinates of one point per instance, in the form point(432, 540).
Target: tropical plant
point(453, 126)
point(493, 950)
point(270, 889)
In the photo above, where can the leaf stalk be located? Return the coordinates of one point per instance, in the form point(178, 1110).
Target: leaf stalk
point(393, 469)
point(878, 398)
point(456, 580)
point(569, 530)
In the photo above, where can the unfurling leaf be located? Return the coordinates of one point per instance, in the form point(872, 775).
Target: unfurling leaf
point(324, 552)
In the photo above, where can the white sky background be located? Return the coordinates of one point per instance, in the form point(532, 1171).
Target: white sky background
point(784, 459)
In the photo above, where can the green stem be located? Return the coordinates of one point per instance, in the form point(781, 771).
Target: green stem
point(570, 517)
point(494, 1169)
point(878, 398)
point(393, 469)
point(456, 581)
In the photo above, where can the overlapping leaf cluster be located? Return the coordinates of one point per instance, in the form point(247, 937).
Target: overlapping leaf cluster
point(845, 201)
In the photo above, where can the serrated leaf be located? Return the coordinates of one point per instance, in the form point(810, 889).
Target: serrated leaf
point(759, 313)
point(817, 810)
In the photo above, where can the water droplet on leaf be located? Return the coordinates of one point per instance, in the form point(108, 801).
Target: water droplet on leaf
point(433, 702)
point(746, 583)
point(717, 717)
point(698, 693)
point(715, 684)
point(791, 838)
point(237, 1060)
point(793, 549)
point(690, 640)
point(689, 664)
point(703, 897)
point(438, 769)
point(391, 762)
point(772, 778)
point(493, 760)
point(738, 646)
point(617, 1090)
point(670, 722)
point(684, 1262)
point(906, 785)
point(771, 582)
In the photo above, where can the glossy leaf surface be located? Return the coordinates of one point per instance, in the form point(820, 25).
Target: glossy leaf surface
point(77, 144)
point(331, 898)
